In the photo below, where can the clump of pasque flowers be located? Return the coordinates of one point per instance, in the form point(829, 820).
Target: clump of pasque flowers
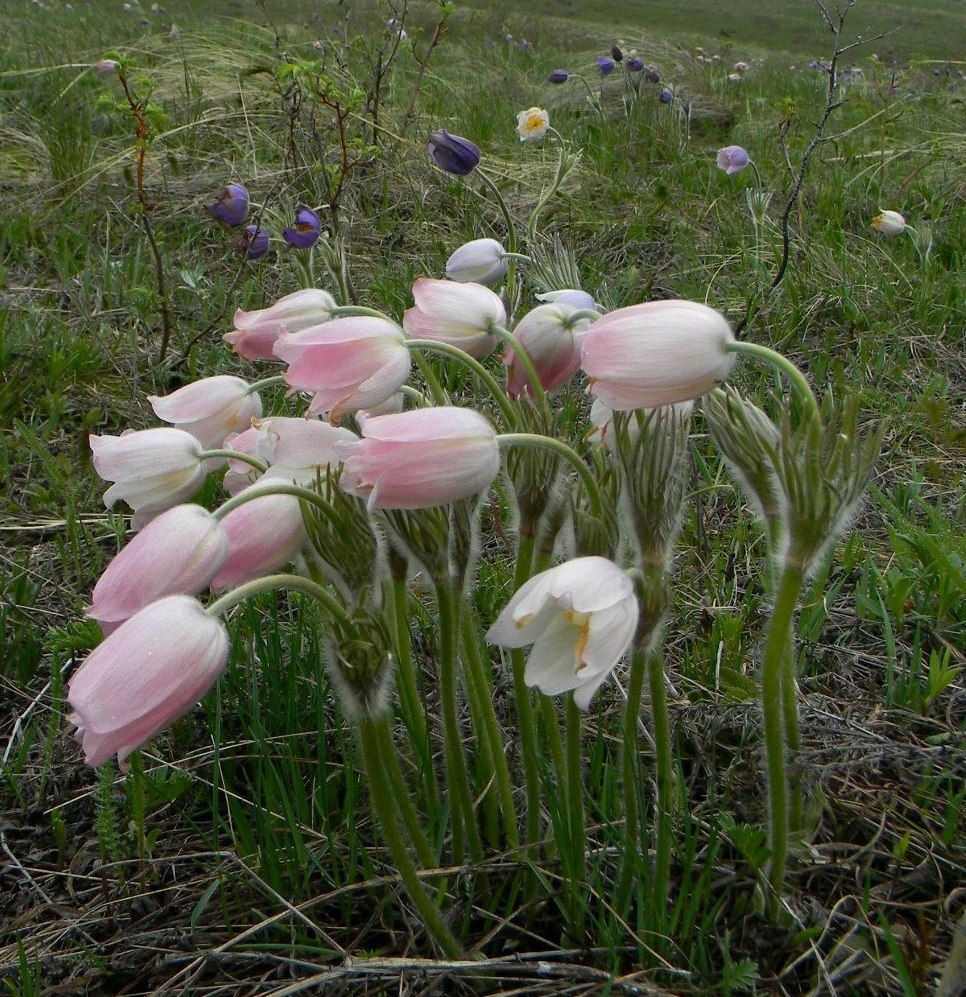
point(232, 207)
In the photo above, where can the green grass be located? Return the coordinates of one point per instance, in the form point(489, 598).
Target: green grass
point(243, 846)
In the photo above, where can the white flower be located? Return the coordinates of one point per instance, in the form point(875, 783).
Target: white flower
point(532, 124)
point(889, 223)
point(580, 618)
point(480, 261)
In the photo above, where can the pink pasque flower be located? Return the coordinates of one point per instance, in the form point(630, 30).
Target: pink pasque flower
point(293, 449)
point(176, 554)
point(350, 363)
point(152, 469)
point(256, 331)
point(580, 618)
point(552, 346)
point(210, 409)
point(462, 315)
point(656, 353)
point(144, 676)
point(263, 535)
point(421, 458)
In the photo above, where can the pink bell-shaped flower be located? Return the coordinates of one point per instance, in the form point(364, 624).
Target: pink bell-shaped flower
point(421, 458)
point(462, 315)
point(176, 554)
point(152, 469)
point(263, 535)
point(656, 353)
point(580, 618)
point(210, 409)
point(144, 676)
point(550, 343)
point(350, 363)
point(256, 331)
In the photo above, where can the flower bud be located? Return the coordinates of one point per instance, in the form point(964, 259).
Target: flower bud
point(652, 75)
point(231, 207)
point(605, 65)
point(732, 159)
point(889, 223)
point(558, 76)
point(666, 96)
point(453, 153)
point(635, 65)
point(480, 262)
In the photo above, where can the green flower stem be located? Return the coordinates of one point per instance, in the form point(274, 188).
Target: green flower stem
point(303, 262)
point(793, 739)
point(772, 700)
point(404, 800)
point(474, 365)
point(568, 453)
point(574, 317)
point(524, 704)
point(265, 382)
point(350, 311)
point(410, 700)
point(235, 455)
point(665, 790)
point(271, 583)
point(511, 235)
point(465, 830)
point(782, 363)
point(630, 860)
point(519, 349)
point(577, 844)
point(481, 693)
point(380, 790)
point(305, 494)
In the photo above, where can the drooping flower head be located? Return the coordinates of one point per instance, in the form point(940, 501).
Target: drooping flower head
point(552, 345)
point(462, 315)
point(635, 65)
point(253, 244)
point(106, 67)
point(209, 409)
point(666, 95)
point(732, 159)
point(605, 65)
point(350, 363)
point(580, 618)
point(305, 232)
point(453, 153)
point(532, 124)
point(481, 261)
point(889, 223)
point(256, 331)
point(653, 75)
point(421, 458)
point(657, 353)
point(558, 76)
point(231, 205)
point(144, 676)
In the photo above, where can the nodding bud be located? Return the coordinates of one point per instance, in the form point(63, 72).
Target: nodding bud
point(605, 65)
point(616, 54)
point(666, 96)
point(231, 207)
point(558, 76)
point(652, 75)
point(453, 153)
point(889, 223)
point(106, 67)
point(305, 232)
point(254, 243)
point(732, 159)
point(635, 65)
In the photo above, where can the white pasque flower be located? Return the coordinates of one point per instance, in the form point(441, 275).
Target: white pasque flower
point(532, 124)
point(580, 618)
point(889, 223)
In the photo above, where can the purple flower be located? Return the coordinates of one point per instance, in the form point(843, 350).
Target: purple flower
point(558, 76)
point(253, 244)
point(732, 159)
point(106, 67)
point(666, 96)
point(605, 65)
point(635, 65)
point(231, 208)
point(453, 153)
point(652, 76)
point(305, 232)
point(525, 46)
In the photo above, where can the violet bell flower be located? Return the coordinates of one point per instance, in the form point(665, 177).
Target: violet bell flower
point(732, 159)
point(253, 244)
point(305, 232)
point(231, 206)
point(558, 76)
point(605, 65)
point(453, 153)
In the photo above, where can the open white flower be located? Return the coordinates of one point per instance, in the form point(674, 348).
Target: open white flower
point(532, 124)
point(580, 618)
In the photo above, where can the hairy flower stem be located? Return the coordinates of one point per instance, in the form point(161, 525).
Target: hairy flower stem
point(775, 663)
point(665, 790)
point(466, 835)
point(511, 239)
point(793, 739)
point(380, 791)
point(569, 454)
point(783, 364)
point(630, 859)
point(525, 718)
point(492, 735)
point(489, 381)
point(411, 702)
point(577, 836)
